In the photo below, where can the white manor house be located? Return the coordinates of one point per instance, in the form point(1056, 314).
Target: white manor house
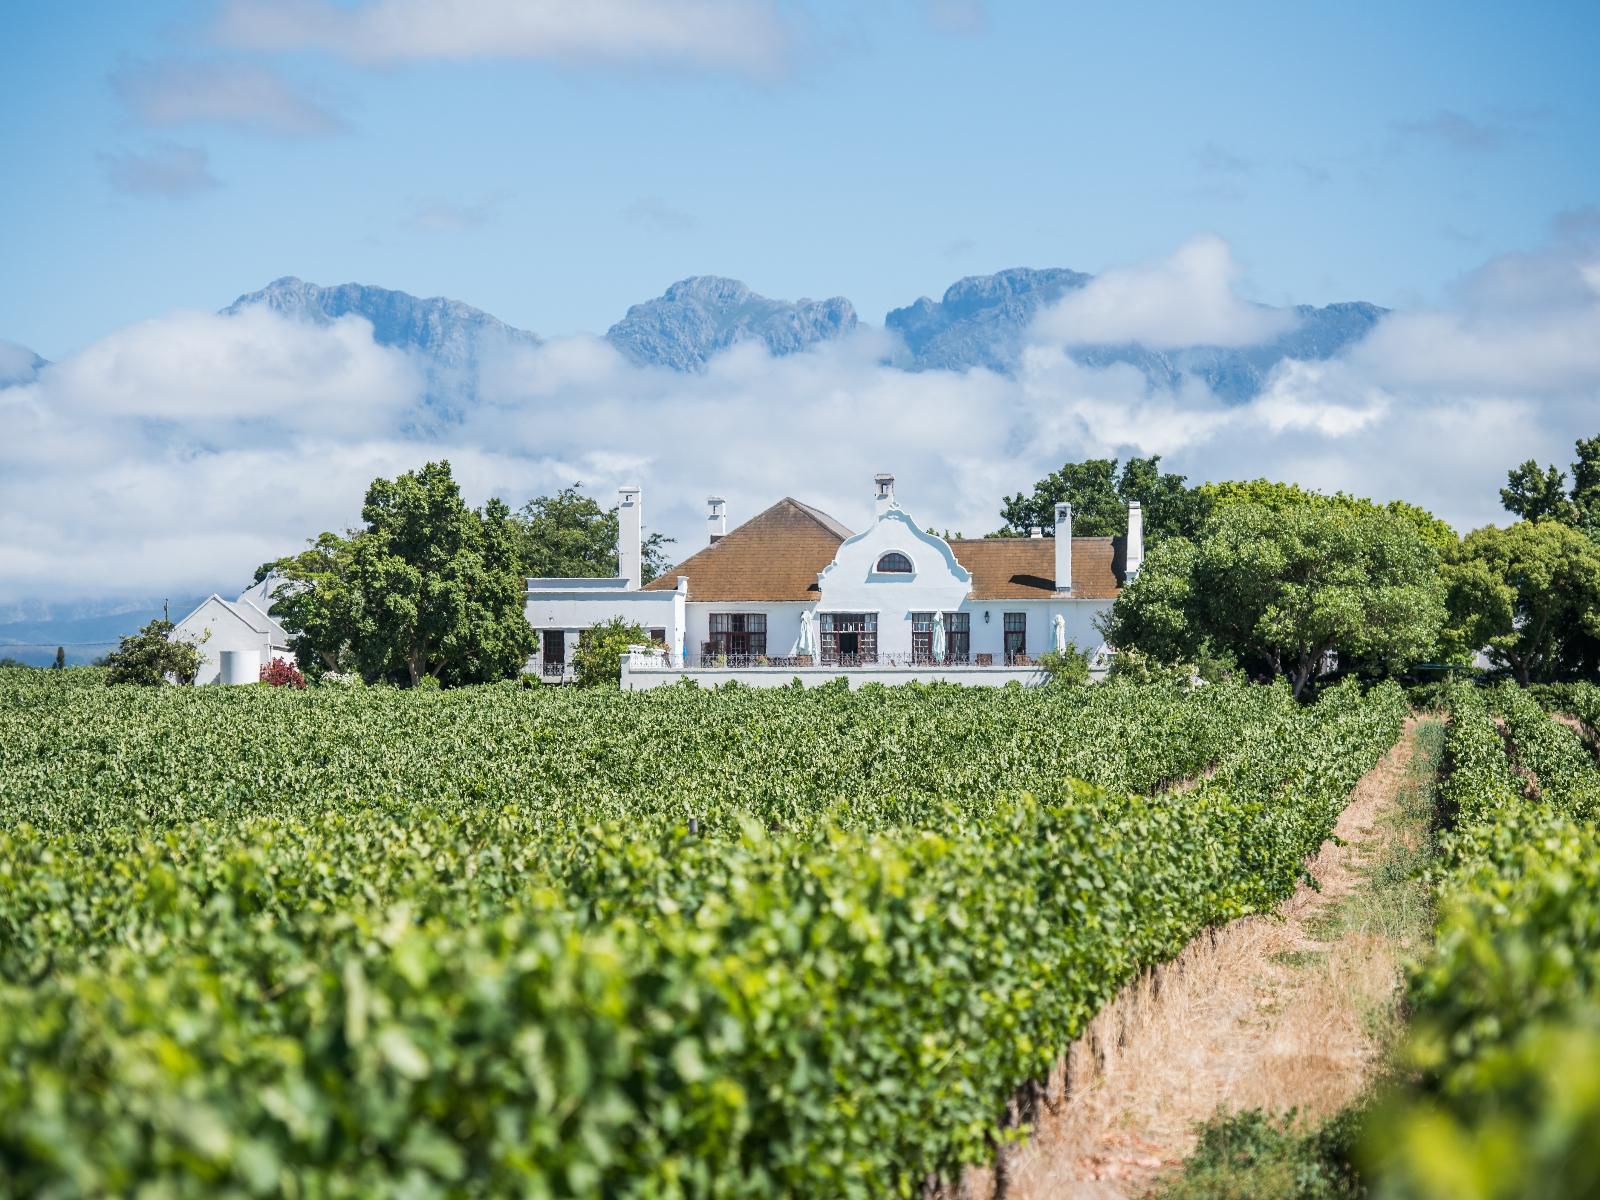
point(793, 593)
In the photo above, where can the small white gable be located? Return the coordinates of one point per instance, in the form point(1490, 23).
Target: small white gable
point(893, 567)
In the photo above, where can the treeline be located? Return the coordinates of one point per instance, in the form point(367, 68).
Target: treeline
point(1272, 580)
point(425, 592)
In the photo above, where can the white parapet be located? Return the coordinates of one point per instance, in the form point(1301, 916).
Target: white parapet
point(241, 666)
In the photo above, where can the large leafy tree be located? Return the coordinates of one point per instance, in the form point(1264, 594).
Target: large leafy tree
point(570, 535)
point(428, 587)
point(1285, 590)
point(1529, 596)
point(319, 604)
point(1099, 496)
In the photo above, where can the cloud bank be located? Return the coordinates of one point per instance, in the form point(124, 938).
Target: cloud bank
point(742, 36)
point(243, 96)
point(1185, 300)
point(175, 455)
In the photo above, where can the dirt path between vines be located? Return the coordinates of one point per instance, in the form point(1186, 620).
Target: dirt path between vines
point(1292, 1011)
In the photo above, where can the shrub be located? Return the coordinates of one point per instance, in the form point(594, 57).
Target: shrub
point(280, 673)
point(146, 658)
point(1066, 668)
point(598, 658)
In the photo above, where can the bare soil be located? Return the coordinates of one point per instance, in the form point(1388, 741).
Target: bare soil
point(1291, 1010)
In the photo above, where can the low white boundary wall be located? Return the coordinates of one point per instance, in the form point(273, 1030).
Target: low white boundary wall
point(634, 680)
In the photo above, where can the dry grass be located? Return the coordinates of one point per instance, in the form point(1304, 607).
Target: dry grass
point(1277, 1012)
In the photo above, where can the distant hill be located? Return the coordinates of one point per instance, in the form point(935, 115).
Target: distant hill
point(18, 364)
point(452, 339)
point(695, 318)
point(982, 320)
point(83, 637)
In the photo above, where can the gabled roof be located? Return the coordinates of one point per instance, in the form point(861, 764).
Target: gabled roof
point(773, 556)
point(1025, 568)
point(250, 615)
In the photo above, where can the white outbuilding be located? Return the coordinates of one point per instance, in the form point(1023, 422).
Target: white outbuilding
point(241, 629)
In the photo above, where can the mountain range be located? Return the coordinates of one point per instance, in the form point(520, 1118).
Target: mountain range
point(980, 322)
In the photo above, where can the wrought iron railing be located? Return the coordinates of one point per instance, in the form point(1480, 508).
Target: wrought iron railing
point(746, 662)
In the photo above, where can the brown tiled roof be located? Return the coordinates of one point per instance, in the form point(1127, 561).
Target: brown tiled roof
point(773, 556)
point(1025, 568)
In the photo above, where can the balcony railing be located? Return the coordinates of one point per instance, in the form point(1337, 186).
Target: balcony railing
point(864, 662)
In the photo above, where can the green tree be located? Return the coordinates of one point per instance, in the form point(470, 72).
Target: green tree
point(146, 658)
point(1538, 494)
point(569, 535)
point(60, 663)
point(1524, 595)
point(1282, 590)
point(1099, 497)
point(428, 587)
point(598, 659)
point(1280, 497)
point(319, 604)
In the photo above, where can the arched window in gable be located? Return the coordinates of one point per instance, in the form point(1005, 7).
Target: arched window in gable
point(894, 563)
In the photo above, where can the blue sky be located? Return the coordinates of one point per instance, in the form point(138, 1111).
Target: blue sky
point(164, 156)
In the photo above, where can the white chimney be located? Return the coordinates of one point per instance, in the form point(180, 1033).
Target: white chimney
point(884, 497)
point(1135, 539)
point(1063, 547)
point(716, 517)
point(1035, 531)
point(630, 535)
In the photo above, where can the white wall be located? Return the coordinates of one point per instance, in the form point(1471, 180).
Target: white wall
point(1080, 616)
point(783, 623)
point(572, 605)
point(851, 583)
point(769, 677)
point(213, 628)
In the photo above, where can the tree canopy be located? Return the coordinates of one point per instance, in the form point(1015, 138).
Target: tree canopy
point(1528, 596)
point(428, 588)
point(1099, 496)
point(1288, 591)
point(1537, 493)
point(569, 535)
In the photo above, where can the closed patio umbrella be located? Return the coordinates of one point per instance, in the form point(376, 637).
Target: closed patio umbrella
point(938, 637)
point(805, 635)
point(1061, 634)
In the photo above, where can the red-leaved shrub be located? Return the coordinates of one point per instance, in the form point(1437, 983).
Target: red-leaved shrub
point(281, 673)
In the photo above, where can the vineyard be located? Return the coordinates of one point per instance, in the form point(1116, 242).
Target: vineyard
point(552, 942)
point(1506, 1038)
point(562, 943)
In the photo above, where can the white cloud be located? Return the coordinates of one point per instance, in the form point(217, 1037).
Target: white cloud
point(174, 456)
point(165, 169)
point(244, 96)
point(744, 36)
point(1185, 300)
